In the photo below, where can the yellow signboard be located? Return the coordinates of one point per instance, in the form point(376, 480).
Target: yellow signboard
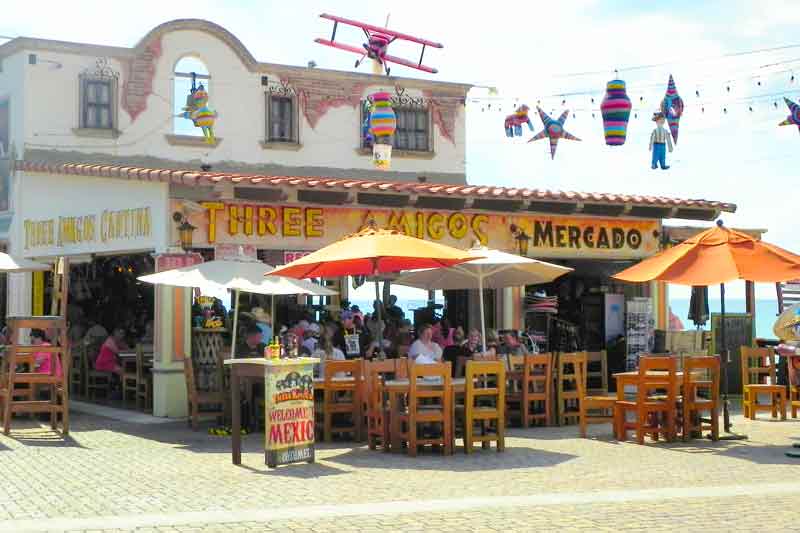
point(300, 227)
point(107, 226)
point(289, 404)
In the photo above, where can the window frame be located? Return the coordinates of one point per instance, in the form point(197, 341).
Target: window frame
point(363, 145)
point(85, 80)
point(294, 116)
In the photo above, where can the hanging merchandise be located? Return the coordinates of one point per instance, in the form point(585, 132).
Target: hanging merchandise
point(672, 108)
point(382, 125)
point(659, 141)
point(794, 116)
point(553, 130)
point(198, 112)
point(513, 123)
point(616, 110)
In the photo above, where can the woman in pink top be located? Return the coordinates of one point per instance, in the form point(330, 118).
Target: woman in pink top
point(42, 359)
point(107, 358)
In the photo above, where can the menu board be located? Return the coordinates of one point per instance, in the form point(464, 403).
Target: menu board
point(289, 386)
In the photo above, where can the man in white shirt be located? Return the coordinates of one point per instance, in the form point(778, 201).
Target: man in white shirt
point(424, 350)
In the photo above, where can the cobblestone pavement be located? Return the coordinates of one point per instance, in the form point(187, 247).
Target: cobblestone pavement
point(164, 477)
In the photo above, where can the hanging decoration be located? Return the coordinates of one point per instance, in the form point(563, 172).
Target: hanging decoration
point(672, 108)
point(378, 41)
point(382, 125)
point(794, 114)
point(198, 112)
point(616, 110)
point(660, 139)
point(513, 123)
point(553, 130)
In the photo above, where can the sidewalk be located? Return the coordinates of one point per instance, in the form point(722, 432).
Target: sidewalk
point(115, 475)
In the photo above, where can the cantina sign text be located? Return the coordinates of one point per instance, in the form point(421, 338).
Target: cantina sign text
point(298, 227)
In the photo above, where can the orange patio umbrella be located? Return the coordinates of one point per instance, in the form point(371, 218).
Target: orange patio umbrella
point(717, 255)
point(371, 252)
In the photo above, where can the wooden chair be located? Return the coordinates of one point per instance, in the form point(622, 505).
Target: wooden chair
point(568, 385)
point(700, 394)
point(594, 408)
point(130, 380)
point(656, 399)
point(435, 409)
point(376, 406)
point(515, 384)
point(537, 407)
point(144, 378)
point(483, 410)
point(77, 376)
point(15, 399)
point(197, 399)
point(342, 397)
point(96, 380)
point(759, 377)
point(597, 373)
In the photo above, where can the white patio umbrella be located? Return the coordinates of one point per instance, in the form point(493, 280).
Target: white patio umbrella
point(241, 273)
point(13, 264)
point(494, 270)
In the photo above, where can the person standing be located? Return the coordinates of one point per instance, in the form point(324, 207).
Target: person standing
point(351, 339)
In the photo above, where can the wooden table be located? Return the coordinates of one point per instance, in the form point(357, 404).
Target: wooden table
point(395, 388)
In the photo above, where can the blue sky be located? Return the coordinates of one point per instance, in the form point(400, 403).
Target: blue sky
point(524, 49)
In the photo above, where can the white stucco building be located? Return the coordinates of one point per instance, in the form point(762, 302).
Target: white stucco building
point(96, 165)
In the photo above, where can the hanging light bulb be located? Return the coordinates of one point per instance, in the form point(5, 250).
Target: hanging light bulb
point(592, 99)
point(697, 93)
point(573, 115)
point(775, 104)
point(791, 79)
point(725, 110)
point(636, 115)
point(703, 109)
point(563, 101)
point(592, 115)
point(750, 108)
point(759, 83)
point(728, 88)
point(641, 98)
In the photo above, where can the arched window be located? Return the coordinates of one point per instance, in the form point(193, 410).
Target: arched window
point(188, 70)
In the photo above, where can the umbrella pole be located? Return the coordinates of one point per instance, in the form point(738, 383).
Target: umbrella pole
point(483, 319)
point(272, 314)
point(235, 322)
point(725, 360)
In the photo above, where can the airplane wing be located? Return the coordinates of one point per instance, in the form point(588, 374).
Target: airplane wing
point(341, 46)
point(410, 64)
point(387, 31)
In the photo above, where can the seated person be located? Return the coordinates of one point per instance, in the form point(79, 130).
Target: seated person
point(311, 339)
point(424, 350)
point(456, 350)
point(42, 360)
point(251, 344)
point(107, 360)
point(512, 345)
point(326, 351)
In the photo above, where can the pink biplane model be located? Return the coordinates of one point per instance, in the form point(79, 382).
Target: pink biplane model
point(378, 40)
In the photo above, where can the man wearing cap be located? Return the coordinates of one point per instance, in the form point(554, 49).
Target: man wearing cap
point(311, 338)
point(350, 339)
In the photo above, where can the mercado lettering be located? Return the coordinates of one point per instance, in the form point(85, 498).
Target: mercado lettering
point(108, 226)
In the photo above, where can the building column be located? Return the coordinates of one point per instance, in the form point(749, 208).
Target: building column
point(173, 339)
point(660, 298)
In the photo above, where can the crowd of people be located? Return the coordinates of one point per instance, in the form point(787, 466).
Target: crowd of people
point(383, 333)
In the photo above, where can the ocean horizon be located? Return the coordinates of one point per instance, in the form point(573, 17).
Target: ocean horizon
point(766, 311)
